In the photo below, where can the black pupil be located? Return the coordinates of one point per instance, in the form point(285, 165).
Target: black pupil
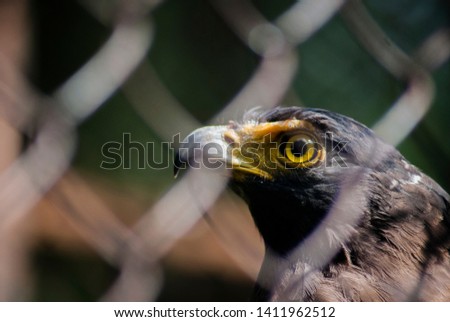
point(300, 147)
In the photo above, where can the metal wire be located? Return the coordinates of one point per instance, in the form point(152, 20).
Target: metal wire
point(120, 65)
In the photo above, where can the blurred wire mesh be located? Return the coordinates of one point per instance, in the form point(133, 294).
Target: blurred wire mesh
point(77, 75)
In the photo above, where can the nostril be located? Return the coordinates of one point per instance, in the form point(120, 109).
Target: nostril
point(232, 125)
point(230, 137)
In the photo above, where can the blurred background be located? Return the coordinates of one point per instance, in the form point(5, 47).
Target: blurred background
point(75, 75)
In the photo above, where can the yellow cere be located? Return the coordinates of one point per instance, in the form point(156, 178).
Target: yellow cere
point(265, 165)
point(260, 130)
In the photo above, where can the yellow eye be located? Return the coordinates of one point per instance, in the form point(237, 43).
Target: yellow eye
point(302, 150)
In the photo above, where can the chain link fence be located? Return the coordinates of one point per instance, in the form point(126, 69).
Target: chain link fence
point(40, 131)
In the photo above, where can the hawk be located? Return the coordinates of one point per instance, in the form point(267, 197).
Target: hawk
point(343, 215)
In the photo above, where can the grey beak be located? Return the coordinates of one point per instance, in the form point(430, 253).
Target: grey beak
point(205, 147)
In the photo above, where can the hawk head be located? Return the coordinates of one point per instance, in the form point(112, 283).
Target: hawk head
point(305, 171)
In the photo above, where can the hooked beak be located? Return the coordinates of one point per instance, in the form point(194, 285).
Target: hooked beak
point(217, 148)
point(223, 147)
point(203, 147)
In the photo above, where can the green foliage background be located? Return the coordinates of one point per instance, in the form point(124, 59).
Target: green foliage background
point(204, 65)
